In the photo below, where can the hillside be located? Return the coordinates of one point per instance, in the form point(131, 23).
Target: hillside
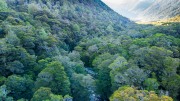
point(81, 50)
point(87, 14)
point(157, 9)
point(142, 5)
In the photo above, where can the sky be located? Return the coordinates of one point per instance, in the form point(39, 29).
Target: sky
point(114, 3)
point(123, 7)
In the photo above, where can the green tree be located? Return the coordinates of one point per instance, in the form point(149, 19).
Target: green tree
point(172, 85)
point(3, 94)
point(117, 66)
point(131, 94)
point(159, 60)
point(151, 84)
point(3, 6)
point(15, 67)
point(101, 63)
point(42, 94)
point(20, 87)
point(56, 98)
point(76, 28)
point(110, 28)
point(45, 94)
point(2, 80)
point(153, 59)
point(54, 77)
point(68, 98)
point(33, 8)
point(41, 65)
point(12, 38)
point(80, 85)
point(133, 76)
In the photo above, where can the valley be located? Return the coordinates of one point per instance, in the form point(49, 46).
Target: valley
point(82, 50)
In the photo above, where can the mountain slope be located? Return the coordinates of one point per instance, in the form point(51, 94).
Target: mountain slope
point(140, 6)
point(87, 13)
point(37, 40)
point(158, 9)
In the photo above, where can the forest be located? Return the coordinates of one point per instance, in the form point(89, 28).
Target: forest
point(81, 50)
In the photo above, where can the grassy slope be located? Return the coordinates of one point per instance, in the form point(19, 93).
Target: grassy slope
point(163, 21)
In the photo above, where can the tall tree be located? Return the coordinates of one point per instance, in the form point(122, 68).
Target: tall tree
point(54, 77)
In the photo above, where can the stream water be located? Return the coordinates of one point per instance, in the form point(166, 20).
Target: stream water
point(93, 95)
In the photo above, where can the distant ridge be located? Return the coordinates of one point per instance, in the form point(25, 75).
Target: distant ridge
point(159, 9)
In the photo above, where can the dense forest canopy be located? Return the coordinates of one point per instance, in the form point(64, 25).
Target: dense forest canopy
point(81, 50)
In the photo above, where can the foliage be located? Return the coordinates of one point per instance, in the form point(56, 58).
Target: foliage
point(45, 94)
point(50, 49)
point(128, 93)
point(151, 84)
point(54, 77)
point(21, 88)
point(3, 6)
point(104, 81)
point(4, 92)
point(81, 86)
